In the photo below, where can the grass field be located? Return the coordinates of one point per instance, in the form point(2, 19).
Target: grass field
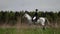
point(29, 31)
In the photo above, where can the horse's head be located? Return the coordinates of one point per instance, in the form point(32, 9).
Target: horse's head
point(26, 15)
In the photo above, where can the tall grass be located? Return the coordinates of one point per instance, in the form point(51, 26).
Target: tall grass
point(29, 31)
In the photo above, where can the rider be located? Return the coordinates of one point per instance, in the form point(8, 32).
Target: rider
point(34, 18)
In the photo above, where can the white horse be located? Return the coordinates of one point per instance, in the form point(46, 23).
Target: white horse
point(41, 20)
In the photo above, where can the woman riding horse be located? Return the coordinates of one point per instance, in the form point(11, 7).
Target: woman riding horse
point(35, 17)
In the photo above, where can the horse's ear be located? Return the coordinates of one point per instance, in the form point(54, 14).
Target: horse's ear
point(26, 11)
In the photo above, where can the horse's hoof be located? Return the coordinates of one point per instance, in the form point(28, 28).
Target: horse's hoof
point(43, 28)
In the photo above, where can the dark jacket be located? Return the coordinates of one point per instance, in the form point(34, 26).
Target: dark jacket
point(34, 16)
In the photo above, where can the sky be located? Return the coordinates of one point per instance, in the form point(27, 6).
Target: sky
point(30, 5)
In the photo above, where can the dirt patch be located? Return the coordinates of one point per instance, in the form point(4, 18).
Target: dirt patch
point(19, 25)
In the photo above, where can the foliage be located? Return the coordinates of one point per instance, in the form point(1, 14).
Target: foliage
point(12, 17)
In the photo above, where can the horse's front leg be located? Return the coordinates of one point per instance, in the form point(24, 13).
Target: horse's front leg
point(30, 22)
point(43, 26)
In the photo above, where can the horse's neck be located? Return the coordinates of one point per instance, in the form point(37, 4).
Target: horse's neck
point(28, 16)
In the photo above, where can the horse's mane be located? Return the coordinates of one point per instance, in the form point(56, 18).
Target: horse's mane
point(28, 13)
point(28, 16)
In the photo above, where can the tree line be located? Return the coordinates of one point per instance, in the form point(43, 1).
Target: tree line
point(10, 17)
